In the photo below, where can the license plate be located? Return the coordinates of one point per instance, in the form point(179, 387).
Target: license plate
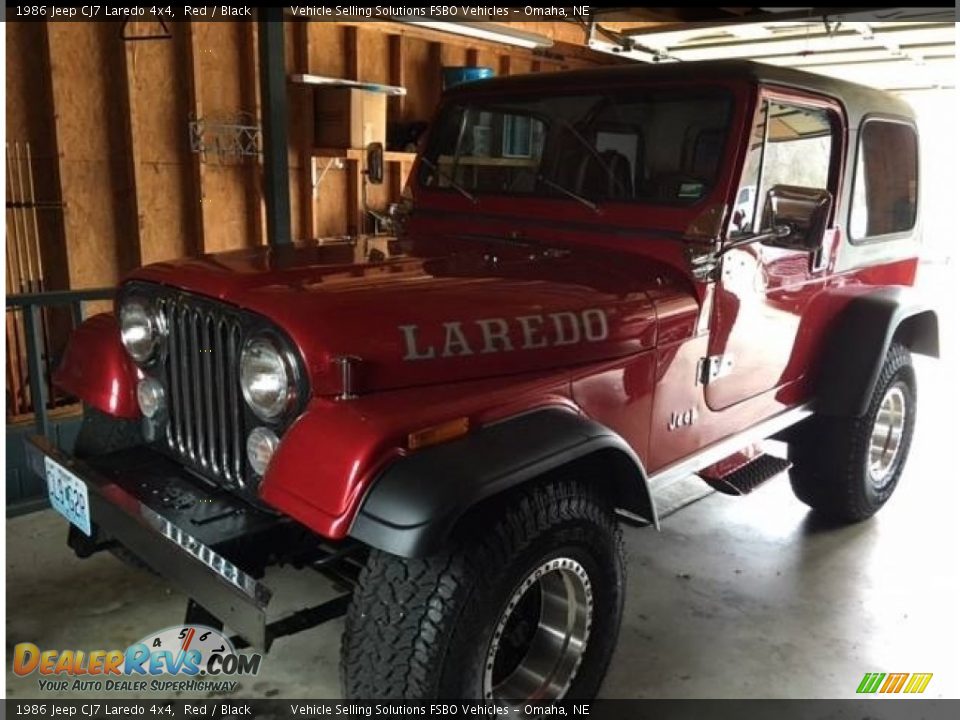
point(68, 495)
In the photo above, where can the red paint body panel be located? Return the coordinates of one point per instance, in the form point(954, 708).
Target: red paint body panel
point(508, 260)
point(330, 455)
point(330, 309)
point(97, 369)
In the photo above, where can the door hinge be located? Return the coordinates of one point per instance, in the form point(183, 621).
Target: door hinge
point(704, 264)
point(713, 367)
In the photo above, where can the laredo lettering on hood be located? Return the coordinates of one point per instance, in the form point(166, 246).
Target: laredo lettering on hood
point(525, 332)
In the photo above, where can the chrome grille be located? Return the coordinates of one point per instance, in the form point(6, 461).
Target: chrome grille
point(200, 371)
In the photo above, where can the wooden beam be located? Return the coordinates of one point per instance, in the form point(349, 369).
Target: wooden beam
point(398, 77)
point(397, 172)
point(305, 139)
point(251, 85)
point(355, 213)
point(195, 88)
point(352, 52)
point(130, 111)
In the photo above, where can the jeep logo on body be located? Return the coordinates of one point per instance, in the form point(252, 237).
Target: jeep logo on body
point(496, 335)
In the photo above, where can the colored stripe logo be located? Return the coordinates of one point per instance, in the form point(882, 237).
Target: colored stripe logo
point(894, 683)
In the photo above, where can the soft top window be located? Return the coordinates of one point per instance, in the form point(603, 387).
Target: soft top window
point(885, 186)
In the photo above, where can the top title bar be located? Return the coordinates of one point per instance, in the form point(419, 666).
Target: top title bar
point(404, 11)
point(162, 12)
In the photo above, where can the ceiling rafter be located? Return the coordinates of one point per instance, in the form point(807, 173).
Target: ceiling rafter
point(895, 51)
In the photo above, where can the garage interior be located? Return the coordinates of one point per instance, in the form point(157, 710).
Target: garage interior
point(134, 143)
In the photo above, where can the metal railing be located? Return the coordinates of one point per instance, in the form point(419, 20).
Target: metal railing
point(28, 326)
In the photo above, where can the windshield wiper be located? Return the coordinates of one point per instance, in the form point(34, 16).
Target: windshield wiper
point(453, 183)
point(569, 193)
point(593, 151)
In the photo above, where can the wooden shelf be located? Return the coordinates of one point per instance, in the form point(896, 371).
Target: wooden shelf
point(358, 154)
point(446, 161)
point(323, 81)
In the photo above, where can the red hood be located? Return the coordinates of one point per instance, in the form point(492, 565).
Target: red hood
point(425, 318)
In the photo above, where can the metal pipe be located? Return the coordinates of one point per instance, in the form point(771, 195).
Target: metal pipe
point(38, 385)
point(273, 106)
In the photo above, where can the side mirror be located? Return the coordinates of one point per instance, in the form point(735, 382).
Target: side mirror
point(797, 216)
point(375, 163)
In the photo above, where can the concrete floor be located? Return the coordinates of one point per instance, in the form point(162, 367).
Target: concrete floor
point(735, 597)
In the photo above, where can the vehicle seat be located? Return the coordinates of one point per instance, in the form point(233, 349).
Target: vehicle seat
point(612, 182)
point(705, 154)
point(699, 167)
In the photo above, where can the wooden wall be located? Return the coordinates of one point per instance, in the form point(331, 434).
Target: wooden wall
point(107, 120)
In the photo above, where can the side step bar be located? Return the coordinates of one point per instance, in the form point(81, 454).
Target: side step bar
point(288, 625)
point(746, 477)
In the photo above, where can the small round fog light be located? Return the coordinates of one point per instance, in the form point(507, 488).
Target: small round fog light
point(261, 444)
point(150, 396)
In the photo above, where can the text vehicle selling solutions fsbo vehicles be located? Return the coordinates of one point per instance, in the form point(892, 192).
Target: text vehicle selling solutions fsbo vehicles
point(600, 281)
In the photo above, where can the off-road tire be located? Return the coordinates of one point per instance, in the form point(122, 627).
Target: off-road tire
point(830, 455)
point(421, 628)
point(101, 434)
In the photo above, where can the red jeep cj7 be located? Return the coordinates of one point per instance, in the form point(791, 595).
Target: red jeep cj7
point(602, 281)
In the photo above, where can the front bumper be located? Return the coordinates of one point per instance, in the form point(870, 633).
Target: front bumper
point(207, 543)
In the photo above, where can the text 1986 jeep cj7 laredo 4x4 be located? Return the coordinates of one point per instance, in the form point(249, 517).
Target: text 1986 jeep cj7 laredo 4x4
point(604, 280)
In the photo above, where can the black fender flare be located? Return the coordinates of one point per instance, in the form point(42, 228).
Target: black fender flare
point(413, 505)
point(857, 344)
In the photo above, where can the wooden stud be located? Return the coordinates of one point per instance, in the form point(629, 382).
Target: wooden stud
point(304, 138)
point(397, 109)
point(130, 111)
point(194, 88)
point(398, 76)
point(250, 86)
point(355, 213)
point(352, 52)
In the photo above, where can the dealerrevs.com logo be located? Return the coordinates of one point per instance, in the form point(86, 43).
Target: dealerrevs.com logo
point(889, 683)
point(202, 657)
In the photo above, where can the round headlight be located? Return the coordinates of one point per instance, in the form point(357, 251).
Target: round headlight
point(265, 378)
point(261, 444)
point(150, 396)
point(140, 329)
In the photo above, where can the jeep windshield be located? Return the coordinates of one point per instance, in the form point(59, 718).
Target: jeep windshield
point(655, 147)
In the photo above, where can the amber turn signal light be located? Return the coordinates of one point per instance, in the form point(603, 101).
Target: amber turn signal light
point(437, 434)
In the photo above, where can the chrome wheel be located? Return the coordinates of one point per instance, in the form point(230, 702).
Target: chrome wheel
point(887, 435)
point(541, 636)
